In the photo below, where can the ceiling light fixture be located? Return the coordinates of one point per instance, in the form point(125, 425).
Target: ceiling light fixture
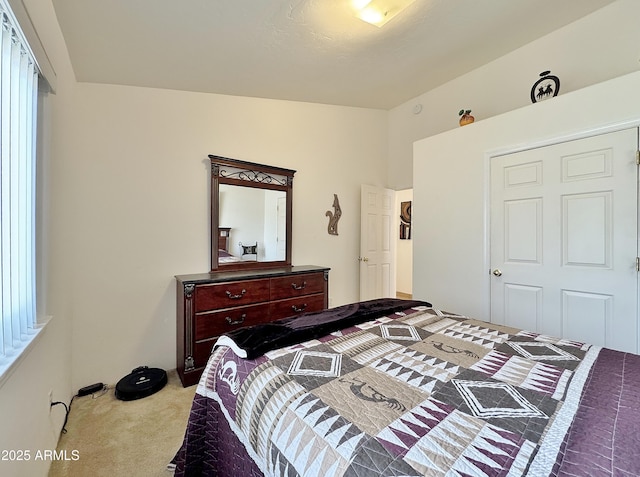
point(379, 12)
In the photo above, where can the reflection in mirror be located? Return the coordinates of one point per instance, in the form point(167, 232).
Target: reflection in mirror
point(255, 224)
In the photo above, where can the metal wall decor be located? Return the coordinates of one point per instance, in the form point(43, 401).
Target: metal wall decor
point(334, 216)
point(548, 86)
point(405, 220)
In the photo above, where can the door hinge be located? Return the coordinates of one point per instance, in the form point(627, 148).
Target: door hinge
point(638, 157)
point(637, 264)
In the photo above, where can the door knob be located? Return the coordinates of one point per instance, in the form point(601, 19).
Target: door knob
point(363, 259)
point(497, 272)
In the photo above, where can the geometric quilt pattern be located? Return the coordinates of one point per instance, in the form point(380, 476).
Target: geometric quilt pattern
point(316, 363)
point(542, 351)
point(520, 372)
point(422, 392)
point(489, 399)
point(400, 332)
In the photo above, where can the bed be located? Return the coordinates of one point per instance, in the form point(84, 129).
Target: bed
point(226, 257)
point(399, 388)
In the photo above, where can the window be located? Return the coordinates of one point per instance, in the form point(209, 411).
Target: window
point(18, 114)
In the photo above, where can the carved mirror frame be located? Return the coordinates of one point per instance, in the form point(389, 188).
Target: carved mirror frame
point(248, 174)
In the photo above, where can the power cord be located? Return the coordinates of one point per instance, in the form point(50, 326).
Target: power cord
point(67, 410)
point(97, 392)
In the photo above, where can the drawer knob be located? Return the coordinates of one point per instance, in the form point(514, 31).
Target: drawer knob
point(236, 297)
point(231, 321)
point(299, 287)
point(298, 309)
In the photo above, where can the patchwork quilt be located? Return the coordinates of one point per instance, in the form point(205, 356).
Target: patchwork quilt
point(417, 392)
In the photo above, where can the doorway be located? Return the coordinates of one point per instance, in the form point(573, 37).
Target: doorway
point(404, 248)
point(377, 244)
point(386, 259)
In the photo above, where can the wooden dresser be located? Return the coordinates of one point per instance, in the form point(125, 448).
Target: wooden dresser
point(210, 304)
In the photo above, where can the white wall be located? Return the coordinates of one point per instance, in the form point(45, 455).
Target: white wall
point(27, 423)
point(451, 267)
point(598, 47)
point(135, 188)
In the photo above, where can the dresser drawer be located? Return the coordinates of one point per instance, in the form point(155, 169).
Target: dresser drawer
point(202, 351)
point(296, 306)
point(218, 322)
point(297, 285)
point(227, 295)
point(212, 304)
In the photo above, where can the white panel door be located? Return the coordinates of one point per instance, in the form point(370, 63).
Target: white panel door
point(564, 241)
point(281, 229)
point(377, 243)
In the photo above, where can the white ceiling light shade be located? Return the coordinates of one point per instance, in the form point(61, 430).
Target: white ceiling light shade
point(379, 12)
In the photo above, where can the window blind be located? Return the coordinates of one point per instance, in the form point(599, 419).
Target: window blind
point(18, 114)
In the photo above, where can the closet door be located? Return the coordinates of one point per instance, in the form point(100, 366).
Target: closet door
point(564, 240)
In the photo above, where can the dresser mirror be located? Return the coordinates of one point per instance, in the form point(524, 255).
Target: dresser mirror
point(250, 215)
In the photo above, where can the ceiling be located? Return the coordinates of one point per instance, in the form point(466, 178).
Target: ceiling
point(302, 50)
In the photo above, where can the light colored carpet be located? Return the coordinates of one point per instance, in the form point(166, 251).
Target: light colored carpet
point(114, 437)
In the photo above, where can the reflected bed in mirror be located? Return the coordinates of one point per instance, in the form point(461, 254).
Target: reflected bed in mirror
point(250, 215)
